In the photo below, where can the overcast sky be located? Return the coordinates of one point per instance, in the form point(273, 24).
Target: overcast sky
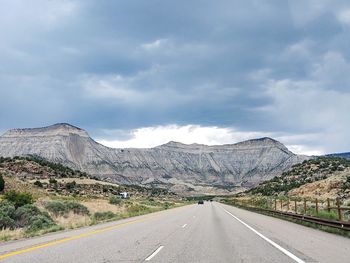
point(141, 73)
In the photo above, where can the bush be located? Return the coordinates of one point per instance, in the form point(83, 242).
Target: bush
point(59, 208)
point(52, 181)
point(18, 199)
point(38, 222)
point(137, 209)
point(71, 186)
point(56, 207)
point(7, 210)
point(23, 214)
point(2, 183)
point(324, 214)
point(115, 200)
point(27, 216)
point(101, 216)
point(77, 208)
point(38, 184)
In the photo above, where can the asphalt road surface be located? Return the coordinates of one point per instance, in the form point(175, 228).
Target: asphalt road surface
point(211, 232)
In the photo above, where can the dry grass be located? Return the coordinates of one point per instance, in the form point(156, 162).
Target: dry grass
point(13, 183)
point(102, 205)
point(7, 234)
point(72, 220)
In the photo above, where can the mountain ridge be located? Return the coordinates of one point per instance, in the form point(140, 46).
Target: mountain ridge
point(174, 165)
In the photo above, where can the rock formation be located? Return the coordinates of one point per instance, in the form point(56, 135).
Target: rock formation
point(174, 165)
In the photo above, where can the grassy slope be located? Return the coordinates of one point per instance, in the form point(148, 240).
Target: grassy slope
point(19, 173)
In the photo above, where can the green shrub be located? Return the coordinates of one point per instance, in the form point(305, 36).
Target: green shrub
point(102, 216)
point(167, 205)
point(23, 214)
point(70, 186)
point(137, 209)
point(2, 183)
point(61, 208)
point(38, 222)
point(18, 199)
point(52, 181)
point(56, 207)
point(324, 214)
point(77, 208)
point(7, 210)
point(38, 184)
point(27, 216)
point(115, 200)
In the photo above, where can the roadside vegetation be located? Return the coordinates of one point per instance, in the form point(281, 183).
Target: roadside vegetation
point(57, 198)
point(309, 171)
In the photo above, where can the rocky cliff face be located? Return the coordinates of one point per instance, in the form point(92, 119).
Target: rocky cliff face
point(173, 165)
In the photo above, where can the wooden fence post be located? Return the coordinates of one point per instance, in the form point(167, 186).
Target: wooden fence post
point(288, 205)
point(339, 210)
point(316, 206)
point(328, 205)
point(295, 206)
point(304, 206)
point(275, 204)
point(281, 204)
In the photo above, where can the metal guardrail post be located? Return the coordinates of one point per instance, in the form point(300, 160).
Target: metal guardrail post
point(295, 206)
point(275, 204)
point(304, 206)
point(316, 206)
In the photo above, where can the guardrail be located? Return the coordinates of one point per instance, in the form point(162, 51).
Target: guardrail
point(300, 209)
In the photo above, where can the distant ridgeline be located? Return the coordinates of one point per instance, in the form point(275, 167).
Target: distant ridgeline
point(175, 166)
point(340, 155)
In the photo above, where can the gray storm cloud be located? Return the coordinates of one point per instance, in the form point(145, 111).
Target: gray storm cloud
point(277, 67)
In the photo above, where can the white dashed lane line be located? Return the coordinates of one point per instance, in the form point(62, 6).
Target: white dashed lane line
point(154, 253)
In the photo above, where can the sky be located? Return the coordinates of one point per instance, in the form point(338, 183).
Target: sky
point(142, 73)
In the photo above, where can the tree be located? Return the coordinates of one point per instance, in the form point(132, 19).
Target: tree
point(38, 183)
point(2, 183)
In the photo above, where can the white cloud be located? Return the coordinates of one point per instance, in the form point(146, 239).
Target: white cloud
point(154, 136)
point(41, 14)
point(305, 150)
point(344, 16)
point(332, 71)
point(305, 11)
point(110, 87)
point(155, 44)
point(148, 137)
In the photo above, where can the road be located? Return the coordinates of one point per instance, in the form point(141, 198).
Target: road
point(212, 232)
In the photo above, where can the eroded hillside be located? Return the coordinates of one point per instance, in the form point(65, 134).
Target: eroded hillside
point(321, 177)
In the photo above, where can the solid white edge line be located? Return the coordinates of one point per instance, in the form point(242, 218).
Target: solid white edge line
point(184, 225)
point(154, 253)
point(283, 250)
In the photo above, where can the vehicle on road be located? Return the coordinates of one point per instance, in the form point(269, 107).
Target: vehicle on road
point(201, 202)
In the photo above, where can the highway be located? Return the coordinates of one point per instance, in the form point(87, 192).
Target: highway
point(212, 232)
